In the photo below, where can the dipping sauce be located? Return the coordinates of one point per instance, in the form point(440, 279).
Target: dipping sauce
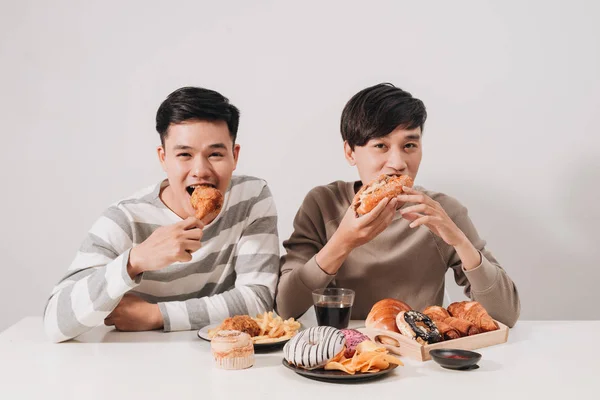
point(457, 357)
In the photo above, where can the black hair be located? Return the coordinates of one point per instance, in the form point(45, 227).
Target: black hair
point(377, 111)
point(195, 103)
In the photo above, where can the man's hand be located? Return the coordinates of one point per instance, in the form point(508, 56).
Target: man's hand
point(134, 314)
point(165, 246)
point(430, 213)
point(354, 232)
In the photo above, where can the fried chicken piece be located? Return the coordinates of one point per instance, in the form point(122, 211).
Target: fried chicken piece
point(241, 323)
point(207, 201)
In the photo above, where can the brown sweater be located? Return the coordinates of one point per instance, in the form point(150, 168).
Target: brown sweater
point(404, 263)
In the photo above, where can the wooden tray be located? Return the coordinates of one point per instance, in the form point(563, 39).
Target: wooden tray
point(413, 349)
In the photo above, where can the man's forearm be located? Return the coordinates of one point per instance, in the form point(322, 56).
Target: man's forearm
point(333, 254)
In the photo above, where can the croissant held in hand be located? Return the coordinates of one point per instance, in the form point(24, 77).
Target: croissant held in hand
point(474, 312)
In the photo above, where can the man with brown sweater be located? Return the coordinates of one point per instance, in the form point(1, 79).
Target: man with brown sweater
point(402, 248)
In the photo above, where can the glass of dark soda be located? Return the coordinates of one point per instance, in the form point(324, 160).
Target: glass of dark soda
point(333, 306)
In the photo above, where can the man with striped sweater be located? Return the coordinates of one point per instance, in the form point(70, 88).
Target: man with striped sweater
point(148, 263)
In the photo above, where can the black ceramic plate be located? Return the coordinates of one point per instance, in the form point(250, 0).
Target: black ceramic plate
point(203, 334)
point(337, 376)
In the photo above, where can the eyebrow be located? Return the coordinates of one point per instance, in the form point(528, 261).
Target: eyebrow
point(412, 137)
point(212, 146)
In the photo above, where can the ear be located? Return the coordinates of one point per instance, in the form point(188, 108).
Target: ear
point(161, 157)
point(349, 154)
point(236, 154)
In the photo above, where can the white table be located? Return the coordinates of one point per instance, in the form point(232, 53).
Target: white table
point(548, 359)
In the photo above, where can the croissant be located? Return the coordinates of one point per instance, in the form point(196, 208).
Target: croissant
point(447, 331)
point(474, 312)
point(436, 313)
point(382, 187)
point(383, 314)
point(464, 327)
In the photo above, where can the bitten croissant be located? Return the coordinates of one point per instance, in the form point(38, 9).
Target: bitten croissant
point(473, 312)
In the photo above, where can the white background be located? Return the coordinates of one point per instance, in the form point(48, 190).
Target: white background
point(512, 89)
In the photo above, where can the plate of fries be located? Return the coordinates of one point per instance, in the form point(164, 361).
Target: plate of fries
point(369, 361)
point(274, 330)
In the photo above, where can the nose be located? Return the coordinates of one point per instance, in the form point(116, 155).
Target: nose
point(396, 160)
point(201, 169)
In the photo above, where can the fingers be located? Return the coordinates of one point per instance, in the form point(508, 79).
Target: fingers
point(419, 208)
point(412, 216)
point(371, 216)
point(414, 196)
point(193, 234)
point(108, 321)
point(191, 223)
point(424, 220)
point(192, 245)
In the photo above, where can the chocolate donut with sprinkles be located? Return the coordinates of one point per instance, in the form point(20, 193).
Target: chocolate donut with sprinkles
point(314, 347)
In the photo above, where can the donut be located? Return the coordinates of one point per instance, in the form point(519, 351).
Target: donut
point(353, 339)
point(418, 326)
point(314, 347)
point(385, 186)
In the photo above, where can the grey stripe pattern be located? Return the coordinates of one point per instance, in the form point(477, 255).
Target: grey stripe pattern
point(185, 292)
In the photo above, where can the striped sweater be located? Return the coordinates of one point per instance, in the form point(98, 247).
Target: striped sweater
point(234, 272)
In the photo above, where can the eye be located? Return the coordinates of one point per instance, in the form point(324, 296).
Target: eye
point(379, 146)
point(218, 155)
point(410, 146)
point(184, 155)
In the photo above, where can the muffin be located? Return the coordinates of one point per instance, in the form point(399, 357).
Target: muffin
point(232, 349)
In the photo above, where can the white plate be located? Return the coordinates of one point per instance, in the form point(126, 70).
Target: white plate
point(203, 334)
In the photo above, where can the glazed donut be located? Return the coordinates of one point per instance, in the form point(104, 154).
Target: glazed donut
point(385, 186)
point(314, 347)
point(418, 326)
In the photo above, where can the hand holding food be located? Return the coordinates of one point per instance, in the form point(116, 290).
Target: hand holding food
point(166, 245)
point(430, 213)
point(384, 187)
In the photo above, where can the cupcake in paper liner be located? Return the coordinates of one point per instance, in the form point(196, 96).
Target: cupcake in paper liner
point(232, 350)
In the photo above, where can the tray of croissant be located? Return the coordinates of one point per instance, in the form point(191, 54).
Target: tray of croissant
point(403, 331)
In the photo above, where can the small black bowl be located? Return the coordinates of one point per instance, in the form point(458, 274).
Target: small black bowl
point(456, 359)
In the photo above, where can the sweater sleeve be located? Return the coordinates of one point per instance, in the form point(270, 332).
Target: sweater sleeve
point(488, 283)
point(300, 273)
point(257, 270)
point(96, 280)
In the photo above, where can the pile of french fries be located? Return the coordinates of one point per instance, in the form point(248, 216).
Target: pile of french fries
point(273, 328)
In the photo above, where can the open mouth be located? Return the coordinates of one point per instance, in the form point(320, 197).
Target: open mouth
point(190, 189)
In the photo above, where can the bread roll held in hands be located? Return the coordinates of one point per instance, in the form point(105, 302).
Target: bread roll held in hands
point(383, 314)
point(207, 201)
point(385, 186)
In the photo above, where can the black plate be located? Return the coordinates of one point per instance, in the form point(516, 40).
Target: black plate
point(203, 334)
point(470, 361)
point(337, 376)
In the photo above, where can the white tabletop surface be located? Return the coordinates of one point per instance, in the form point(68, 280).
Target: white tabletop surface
point(547, 359)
